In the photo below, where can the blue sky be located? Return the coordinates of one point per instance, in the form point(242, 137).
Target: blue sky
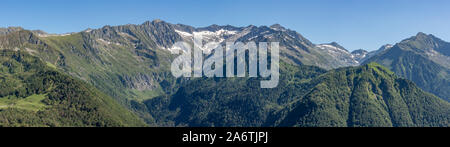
point(354, 24)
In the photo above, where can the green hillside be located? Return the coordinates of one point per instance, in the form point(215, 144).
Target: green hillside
point(369, 95)
point(127, 68)
point(34, 94)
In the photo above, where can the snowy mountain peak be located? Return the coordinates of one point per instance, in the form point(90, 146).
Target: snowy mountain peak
point(421, 34)
point(339, 53)
point(333, 46)
point(359, 51)
point(277, 27)
point(385, 47)
point(360, 54)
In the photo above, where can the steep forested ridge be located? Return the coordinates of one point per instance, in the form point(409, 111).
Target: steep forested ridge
point(369, 95)
point(35, 94)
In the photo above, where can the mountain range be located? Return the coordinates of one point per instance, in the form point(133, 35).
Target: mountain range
point(321, 84)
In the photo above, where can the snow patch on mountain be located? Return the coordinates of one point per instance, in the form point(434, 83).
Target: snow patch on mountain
point(184, 34)
point(339, 53)
point(332, 48)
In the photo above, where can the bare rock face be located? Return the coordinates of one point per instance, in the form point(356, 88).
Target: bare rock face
point(139, 82)
point(4, 31)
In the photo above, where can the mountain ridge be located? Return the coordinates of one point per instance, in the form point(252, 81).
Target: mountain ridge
point(422, 59)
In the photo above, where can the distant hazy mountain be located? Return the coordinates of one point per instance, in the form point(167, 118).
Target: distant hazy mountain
point(424, 59)
point(359, 54)
point(362, 55)
point(384, 47)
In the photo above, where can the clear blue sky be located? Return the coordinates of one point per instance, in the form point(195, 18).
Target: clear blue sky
point(354, 24)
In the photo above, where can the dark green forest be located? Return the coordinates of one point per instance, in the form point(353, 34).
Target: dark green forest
point(369, 95)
